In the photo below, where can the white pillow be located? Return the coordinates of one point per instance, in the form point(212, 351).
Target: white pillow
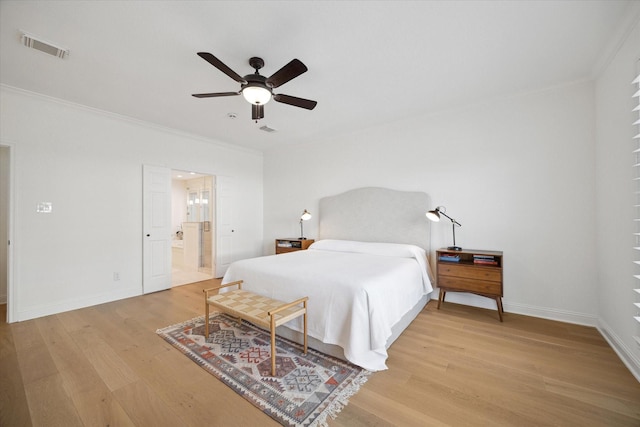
point(371, 248)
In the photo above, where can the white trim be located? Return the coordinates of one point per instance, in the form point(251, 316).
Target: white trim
point(615, 43)
point(626, 355)
point(517, 308)
point(132, 120)
point(74, 304)
point(11, 292)
point(552, 314)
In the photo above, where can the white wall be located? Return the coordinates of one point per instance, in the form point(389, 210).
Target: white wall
point(89, 165)
point(614, 202)
point(517, 173)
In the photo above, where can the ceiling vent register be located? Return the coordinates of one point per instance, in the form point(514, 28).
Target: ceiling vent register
point(38, 44)
point(268, 129)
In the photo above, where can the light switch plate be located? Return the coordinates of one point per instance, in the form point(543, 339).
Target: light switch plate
point(44, 207)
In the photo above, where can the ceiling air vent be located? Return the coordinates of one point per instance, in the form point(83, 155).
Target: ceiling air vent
point(267, 129)
point(38, 44)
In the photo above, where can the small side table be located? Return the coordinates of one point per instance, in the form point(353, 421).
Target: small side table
point(291, 245)
point(470, 270)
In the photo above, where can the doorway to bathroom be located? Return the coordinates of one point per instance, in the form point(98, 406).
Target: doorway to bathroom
point(192, 222)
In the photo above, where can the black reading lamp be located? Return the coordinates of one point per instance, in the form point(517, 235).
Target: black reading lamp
point(434, 216)
point(306, 215)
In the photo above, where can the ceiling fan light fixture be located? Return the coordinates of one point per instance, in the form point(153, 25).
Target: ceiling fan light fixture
point(255, 94)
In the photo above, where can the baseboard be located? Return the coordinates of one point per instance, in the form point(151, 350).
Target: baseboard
point(524, 309)
point(552, 314)
point(47, 310)
point(624, 353)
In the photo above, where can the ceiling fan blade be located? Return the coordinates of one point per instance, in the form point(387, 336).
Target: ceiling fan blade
point(296, 102)
point(257, 112)
point(290, 71)
point(221, 66)
point(213, 95)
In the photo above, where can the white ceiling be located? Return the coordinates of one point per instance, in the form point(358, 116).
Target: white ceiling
point(369, 62)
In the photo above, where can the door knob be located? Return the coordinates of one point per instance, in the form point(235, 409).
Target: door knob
point(148, 235)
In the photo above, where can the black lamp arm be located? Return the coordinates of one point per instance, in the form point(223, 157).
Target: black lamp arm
point(450, 219)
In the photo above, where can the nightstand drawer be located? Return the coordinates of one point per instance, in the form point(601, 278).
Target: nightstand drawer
point(470, 271)
point(470, 285)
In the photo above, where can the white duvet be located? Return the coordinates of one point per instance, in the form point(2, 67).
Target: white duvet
point(357, 291)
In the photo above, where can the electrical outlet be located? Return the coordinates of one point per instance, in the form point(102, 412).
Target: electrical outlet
point(116, 276)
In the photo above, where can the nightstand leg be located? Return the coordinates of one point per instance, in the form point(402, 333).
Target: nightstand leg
point(500, 309)
point(441, 297)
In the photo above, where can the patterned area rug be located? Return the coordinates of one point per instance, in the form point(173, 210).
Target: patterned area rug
point(306, 388)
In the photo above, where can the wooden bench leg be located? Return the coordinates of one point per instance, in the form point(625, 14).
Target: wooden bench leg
point(273, 346)
point(305, 327)
point(206, 319)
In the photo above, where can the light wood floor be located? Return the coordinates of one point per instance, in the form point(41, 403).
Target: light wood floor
point(458, 366)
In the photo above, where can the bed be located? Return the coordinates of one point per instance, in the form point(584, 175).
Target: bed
point(366, 276)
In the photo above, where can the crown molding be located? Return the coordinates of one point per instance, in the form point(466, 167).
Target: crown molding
point(128, 119)
point(627, 25)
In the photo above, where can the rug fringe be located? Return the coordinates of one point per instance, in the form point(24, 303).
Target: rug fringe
point(342, 400)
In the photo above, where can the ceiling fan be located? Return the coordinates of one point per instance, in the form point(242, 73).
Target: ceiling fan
point(258, 89)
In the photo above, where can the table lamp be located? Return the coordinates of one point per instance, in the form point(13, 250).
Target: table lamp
point(306, 215)
point(434, 216)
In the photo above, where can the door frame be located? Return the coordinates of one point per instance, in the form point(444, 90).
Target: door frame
point(224, 224)
point(215, 243)
point(11, 306)
point(213, 200)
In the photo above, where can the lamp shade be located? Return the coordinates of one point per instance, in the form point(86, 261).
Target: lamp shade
point(306, 215)
point(434, 215)
point(257, 95)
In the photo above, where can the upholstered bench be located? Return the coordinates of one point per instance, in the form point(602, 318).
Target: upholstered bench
point(261, 311)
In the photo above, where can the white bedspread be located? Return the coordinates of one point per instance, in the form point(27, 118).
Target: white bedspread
point(357, 291)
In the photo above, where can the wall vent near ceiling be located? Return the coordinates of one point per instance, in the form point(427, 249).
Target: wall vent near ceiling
point(47, 47)
point(268, 129)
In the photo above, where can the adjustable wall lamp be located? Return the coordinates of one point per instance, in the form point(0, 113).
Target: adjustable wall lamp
point(306, 215)
point(434, 216)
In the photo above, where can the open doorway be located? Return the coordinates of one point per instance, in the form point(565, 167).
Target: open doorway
point(192, 222)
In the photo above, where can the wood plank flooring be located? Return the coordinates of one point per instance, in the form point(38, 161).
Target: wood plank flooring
point(458, 366)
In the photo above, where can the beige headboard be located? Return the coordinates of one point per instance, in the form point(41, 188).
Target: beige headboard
point(373, 214)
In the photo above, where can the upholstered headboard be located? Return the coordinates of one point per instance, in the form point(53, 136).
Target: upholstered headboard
point(373, 214)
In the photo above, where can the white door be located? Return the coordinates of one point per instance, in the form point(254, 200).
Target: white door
point(156, 227)
point(6, 230)
point(224, 221)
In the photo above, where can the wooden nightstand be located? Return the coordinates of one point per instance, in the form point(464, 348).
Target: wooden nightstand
point(475, 271)
point(290, 245)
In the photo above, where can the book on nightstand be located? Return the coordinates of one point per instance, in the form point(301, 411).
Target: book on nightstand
point(485, 260)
